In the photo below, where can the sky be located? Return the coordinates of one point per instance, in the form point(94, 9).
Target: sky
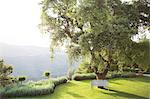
point(19, 21)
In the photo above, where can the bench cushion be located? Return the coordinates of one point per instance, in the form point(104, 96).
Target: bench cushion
point(99, 83)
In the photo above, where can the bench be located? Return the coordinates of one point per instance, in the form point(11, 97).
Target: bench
point(97, 83)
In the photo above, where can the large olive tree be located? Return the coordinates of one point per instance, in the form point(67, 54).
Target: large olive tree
point(98, 29)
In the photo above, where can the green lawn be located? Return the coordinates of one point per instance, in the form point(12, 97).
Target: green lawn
point(125, 88)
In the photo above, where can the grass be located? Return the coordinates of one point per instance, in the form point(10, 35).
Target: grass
point(121, 88)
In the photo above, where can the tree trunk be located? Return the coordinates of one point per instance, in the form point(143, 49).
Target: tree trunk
point(102, 75)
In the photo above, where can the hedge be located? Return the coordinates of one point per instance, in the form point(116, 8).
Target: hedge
point(88, 76)
point(84, 76)
point(42, 87)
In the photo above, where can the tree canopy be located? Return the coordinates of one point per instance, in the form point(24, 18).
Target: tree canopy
point(98, 29)
point(5, 71)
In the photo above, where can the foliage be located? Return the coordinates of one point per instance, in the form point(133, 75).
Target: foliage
point(137, 56)
point(100, 30)
point(142, 57)
point(47, 74)
point(84, 76)
point(29, 89)
point(84, 68)
point(5, 71)
point(142, 10)
point(32, 88)
point(15, 81)
point(110, 75)
point(21, 78)
point(60, 80)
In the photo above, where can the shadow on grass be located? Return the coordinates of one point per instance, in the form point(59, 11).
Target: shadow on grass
point(123, 94)
point(75, 95)
point(137, 79)
point(140, 79)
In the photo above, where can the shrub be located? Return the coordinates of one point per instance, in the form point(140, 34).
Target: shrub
point(47, 74)
point(115, 76)
point(21, 78)
point(2, 90)
point(5, 72)
point(60, 80)
point(31, 88)
point(84, 76)
point(121, 75)
point(15, 80)
point(110, 75)
point(129, 75)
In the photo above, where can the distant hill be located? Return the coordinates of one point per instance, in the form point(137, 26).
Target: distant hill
point(33, 61)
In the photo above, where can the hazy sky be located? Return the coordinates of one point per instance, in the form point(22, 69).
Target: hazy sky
point(19, 21)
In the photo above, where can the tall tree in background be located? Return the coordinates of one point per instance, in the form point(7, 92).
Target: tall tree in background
point(5, 71)
point(143, 12)
point(138, 12)
point(99, 29)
